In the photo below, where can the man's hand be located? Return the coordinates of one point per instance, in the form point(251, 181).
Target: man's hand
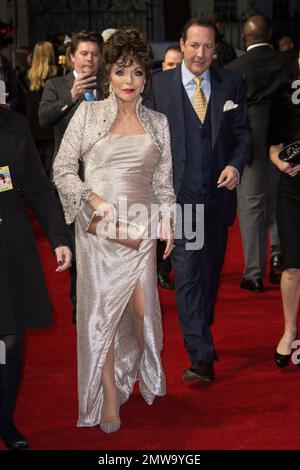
point(84, 82)
point(229, 178)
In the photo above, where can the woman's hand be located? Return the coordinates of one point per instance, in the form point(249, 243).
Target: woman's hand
point(167, 235)
point(63, 258)
point(285, 167)
point(105, 209)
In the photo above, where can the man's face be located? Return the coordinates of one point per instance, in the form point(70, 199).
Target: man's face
point(172, 59)
point(87, 58)
point(285, 44)
point(198, 49)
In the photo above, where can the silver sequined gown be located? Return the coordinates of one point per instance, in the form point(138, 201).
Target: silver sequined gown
point(107, 273)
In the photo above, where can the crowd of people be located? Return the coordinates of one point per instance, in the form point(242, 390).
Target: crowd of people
point(195, 134)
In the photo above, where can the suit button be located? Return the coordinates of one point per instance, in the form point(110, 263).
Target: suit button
point(1, 221)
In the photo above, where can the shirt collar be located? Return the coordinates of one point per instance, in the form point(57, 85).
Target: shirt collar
point(188, 76)
point(257, 45)
point(75, 74)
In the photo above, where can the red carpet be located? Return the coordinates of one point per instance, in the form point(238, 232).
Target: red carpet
point(251, 405)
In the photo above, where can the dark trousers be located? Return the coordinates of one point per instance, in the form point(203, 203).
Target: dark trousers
point(163, 266)
point(10, 376)
point(197, 274)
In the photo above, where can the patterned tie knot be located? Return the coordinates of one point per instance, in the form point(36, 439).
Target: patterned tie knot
point(200, 103)
point(198, 81)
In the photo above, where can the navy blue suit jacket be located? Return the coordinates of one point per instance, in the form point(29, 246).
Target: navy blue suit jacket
point(231, 135)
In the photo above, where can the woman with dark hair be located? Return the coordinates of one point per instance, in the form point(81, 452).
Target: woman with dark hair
point(125, 150)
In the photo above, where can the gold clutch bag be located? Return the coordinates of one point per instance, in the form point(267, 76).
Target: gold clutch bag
point(123, 232)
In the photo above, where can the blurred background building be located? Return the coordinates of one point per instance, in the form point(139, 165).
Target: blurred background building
point(161, 20)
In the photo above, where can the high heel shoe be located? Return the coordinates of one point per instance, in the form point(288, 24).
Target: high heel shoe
point(110, 427)
point(113, 426)
point(282, 360)
point(14, 440)
point(148, 396)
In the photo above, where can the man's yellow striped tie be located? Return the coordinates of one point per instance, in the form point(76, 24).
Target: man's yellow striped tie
point(200, 103)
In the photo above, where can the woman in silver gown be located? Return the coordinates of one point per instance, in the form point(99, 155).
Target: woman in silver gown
point(125, 151)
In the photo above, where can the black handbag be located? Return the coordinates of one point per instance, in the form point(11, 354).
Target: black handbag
point(291, 153)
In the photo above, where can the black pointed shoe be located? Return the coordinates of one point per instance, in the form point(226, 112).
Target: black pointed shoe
point(254, 285)
point(282, 360)
point(14, 440)
point(200, 370)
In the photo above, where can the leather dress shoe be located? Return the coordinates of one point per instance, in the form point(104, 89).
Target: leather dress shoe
point(254, 285)
point(14, 440)
point(275, 269)
point(200, 370)
point(164, 282)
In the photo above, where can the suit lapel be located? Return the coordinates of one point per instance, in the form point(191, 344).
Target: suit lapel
point(217, 99)
point(177, 110)
point(177, 96)
point(69, 79)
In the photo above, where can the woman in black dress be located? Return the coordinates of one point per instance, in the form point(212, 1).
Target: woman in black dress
point(288, 220)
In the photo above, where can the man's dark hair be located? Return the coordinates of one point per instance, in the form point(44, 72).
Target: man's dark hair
point(201, 21)
point(173, 47)
point(85, 36)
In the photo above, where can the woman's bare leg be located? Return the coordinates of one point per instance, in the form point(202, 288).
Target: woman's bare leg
point(290, 294)
point(111, 405)
point(137, 307)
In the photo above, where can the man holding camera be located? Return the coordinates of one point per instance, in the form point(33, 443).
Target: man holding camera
point(62, 96)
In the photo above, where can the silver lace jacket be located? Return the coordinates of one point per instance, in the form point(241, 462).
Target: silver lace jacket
point(91, 122)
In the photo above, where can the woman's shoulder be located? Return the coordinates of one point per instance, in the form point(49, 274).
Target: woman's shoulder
point(156, 116)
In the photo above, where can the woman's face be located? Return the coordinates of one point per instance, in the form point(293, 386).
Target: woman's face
point(127, 81)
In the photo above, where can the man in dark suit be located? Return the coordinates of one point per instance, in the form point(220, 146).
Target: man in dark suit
point(263, 72)
point(62, 96)
point(210, 141)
